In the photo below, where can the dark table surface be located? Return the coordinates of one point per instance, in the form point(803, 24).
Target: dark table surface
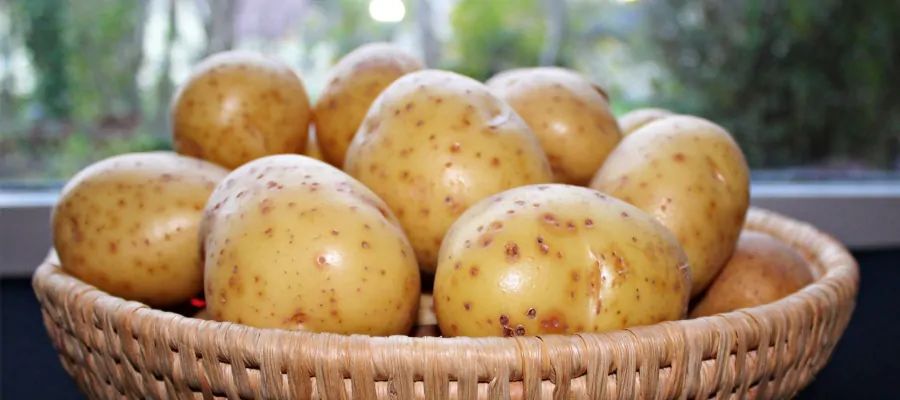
point(862, 367)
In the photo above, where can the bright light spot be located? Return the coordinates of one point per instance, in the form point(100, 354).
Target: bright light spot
point(387, 10)
point(627, 1)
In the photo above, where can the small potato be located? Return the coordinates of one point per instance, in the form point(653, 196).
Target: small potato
point(567, 113)
point(761, 270)
point(634, 119)
point(544, 259)
point(295, 243)
point(436, 142)
point(353, 85)
point(691, 175)
point(128, 225)
point(238, 106)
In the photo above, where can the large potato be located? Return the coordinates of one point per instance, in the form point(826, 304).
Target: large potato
point(238, 106)
point(691, 175)
point(295, 243)
point(544, 259)
point(634, 119)
point(761, 270)
point(128, 225)
point(354, 83)
point(568, 114)
point(436, 142)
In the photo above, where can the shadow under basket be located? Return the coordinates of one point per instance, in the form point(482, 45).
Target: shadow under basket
point(123, 349)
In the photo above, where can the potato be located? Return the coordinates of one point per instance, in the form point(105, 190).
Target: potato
point(568, 114)
point(295, 243)
point(691, 175)
point(238, 106)
point(761, 270)
point(353, 85)
point(128, 225)
point(312, 146)
point(545, 259)
point(436, 142)
point(634, 119)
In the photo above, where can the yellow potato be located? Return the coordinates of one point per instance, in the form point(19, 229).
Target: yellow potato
point(568, 114)
point(312, 146)
point(436, 142)
point(545, 259)
point(691, 175)
point(761, 270)
point(128, 225)
point(238, 106)
point(634, 119)
point(295, 243)
point(353, 85)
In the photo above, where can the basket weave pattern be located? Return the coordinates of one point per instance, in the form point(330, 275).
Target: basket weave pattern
point(122, 349)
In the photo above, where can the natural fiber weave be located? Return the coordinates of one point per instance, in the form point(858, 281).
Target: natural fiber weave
point(122, 349)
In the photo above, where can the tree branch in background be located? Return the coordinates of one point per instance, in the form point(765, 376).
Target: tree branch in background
point(43, 37)
point(555, 31)
point(219, 25)
point(430, 47)
point(164, 80)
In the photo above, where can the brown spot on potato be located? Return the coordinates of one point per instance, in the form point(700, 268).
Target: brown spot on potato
point(455, 147)
point(678, 157)
point(544, 248)
point(531, 313)
point(554, 323)
point(467, 306)
point(512, 252)
point(365, 244)
point(473, 270)
point(550, 219)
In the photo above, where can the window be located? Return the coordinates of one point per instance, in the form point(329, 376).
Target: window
point(807, 87)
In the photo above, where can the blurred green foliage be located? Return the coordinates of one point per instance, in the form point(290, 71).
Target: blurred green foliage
point(800, 82)
point(491, 36)
point(796, 82)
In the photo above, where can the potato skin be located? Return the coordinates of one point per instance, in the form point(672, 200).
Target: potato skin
point(353, 84)
point(544, 259)
point(128, 225)
point(691, 175)
point(295, 243)
point(238, 106)
point(761, 270)
point(634, 119)
point(436, 142)
point(312, 146)
point(567, 113)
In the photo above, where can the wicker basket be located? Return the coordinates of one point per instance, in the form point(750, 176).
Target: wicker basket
point(116, 348)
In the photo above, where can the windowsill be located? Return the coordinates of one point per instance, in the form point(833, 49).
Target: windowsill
point(863, 215)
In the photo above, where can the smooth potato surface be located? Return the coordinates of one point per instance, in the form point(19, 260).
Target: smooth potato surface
point(691, 175)
point(238, 106)
point(568, 114)
point(761, 270)
point(634, 119)
point(545, 259)
point(128, 225)
point(436, 142)
point(353, 84)
point(295, 243)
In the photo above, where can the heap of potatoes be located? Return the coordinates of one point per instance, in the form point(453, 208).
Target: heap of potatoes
point(523, 202)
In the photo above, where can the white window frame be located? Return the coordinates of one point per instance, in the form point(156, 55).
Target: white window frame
point(863, 215)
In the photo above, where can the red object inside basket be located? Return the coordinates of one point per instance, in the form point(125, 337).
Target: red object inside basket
point(197, 302)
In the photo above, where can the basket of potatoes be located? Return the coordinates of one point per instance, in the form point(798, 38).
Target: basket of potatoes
point(441, 238)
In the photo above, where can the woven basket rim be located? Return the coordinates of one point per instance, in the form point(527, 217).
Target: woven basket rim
point(834, 267)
